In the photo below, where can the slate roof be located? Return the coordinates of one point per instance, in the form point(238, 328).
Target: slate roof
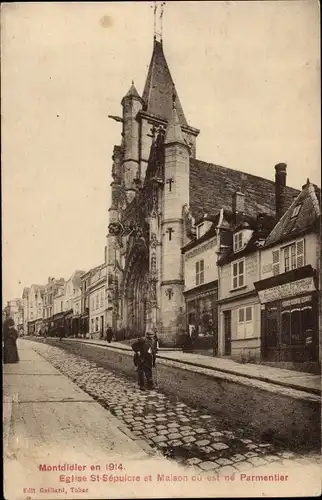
point(159, 88)
point(261, 227)
point(212, 187)
point(308, 217)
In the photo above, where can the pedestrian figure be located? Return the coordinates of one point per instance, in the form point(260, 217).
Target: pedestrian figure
point(109, 334)
point(155, 341)
point(144, 360)
point(61, 332)
point(10, 335)
point(188, 343)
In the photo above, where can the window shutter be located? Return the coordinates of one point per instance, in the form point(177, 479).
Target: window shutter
point(249, 329)
point(300, 253)
point(276, 262)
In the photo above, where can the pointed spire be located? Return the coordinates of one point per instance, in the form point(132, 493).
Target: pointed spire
point(174, 132)
point(159, 87)
point(133, 92)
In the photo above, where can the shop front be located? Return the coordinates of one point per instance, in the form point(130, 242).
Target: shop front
point(68, 319)
point(32, 327)
point(289, 316)
point(202, 314)
point(76, 325)
point(84, 323)
point(58, 320)
point(39, 327)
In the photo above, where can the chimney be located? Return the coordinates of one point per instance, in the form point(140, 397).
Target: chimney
point(238, 202)
point(280, 184)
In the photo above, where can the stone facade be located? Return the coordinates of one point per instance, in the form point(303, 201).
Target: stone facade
point(15, 308)
point(96, 301)
point(35, 308)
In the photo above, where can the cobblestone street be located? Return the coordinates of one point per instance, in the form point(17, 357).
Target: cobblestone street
point(192, 437)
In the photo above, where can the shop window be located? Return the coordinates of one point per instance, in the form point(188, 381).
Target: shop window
point(200, 276)
point(297, 318)
point(92, 325)
point(238, 272)
point(285, 323)
point(96, 324)
point(294, 256)
point(271, 336)
point(238, 241)
point(245, 325)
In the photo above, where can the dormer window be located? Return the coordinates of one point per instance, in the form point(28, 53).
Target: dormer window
point(238, 241)
point(200, 230)
point(296, 211)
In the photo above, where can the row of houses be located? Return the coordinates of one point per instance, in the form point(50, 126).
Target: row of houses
point(261, 299)
point(78, 304)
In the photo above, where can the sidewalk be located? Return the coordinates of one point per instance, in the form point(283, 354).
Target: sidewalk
point(296, 380)
point(54, 433)
point(48, 420)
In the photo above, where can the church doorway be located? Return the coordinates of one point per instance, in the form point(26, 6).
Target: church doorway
point(137, 296)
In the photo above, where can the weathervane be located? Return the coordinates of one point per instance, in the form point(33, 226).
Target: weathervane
point(158, 10)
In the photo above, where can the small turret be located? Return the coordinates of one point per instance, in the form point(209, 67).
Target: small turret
point(174, 133)
point(132, 104)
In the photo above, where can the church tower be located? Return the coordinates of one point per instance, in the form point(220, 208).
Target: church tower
point(149, 190)
point(175, 195)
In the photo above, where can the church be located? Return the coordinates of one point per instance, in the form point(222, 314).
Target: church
point(159, 193)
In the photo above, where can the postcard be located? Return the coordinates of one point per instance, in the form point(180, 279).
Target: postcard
point(161, 249)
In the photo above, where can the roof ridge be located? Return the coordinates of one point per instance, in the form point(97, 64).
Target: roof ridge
point(240, 171)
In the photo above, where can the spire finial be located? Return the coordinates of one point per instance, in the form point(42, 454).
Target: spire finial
point(158, 10)
point(132, 82)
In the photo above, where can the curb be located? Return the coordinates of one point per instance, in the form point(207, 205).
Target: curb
point(290, 385)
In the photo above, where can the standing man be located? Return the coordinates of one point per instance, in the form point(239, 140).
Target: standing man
point(109, 334)
point(144, 360)
point(213, 332)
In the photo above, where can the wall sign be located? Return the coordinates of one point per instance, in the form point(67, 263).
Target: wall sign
point(287, 290)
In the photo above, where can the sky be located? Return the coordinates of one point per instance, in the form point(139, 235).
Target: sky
point(247, 74)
